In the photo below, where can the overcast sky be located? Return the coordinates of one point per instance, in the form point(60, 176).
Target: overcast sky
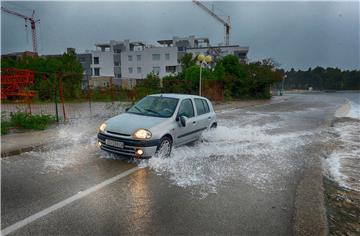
point(296, 34)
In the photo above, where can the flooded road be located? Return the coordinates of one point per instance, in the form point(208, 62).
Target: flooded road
point(241, 178)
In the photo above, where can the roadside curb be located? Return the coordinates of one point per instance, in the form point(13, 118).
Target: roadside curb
point(15, 144)
point(18, 151)
point(310, 217)
point(310, 213)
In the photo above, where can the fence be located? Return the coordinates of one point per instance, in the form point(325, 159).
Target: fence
point(56, 95)
point(67, 111)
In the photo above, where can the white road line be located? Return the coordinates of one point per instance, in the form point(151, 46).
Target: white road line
point(65, 202)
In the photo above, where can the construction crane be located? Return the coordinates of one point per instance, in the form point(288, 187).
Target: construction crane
point(32, 21)
point(213, 14)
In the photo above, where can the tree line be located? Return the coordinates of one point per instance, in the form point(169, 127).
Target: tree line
point(323, 79)
point(236, 80)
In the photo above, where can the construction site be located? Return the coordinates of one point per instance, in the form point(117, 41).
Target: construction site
point(111, 71)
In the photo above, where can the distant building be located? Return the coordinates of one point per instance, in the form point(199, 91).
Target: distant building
point(106, 61)
point(136, 64)
point(198, 46)
point(222, 51)
point(85, 59)
point(123, 63)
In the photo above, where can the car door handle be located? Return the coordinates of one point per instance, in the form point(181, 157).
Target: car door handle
point(209, 118)
point(194, 122)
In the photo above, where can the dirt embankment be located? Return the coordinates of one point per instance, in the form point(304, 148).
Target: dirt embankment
point(342, 208)
point(342, 204)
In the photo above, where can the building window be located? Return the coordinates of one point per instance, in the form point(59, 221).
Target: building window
point(156, 70)
point(118, 51)
point(167, 56)
point(118, 75)
point(139, 70)
point(138, 57)
point(156, 57)
point(170, 69)
point(130, 58)
point(130, 70)
point(97, 71)
point(116, 63)
point(96, 60)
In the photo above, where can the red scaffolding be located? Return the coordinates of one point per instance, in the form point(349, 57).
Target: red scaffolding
point(15, 83)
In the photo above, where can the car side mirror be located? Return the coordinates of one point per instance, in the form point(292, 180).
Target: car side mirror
point(183, 120)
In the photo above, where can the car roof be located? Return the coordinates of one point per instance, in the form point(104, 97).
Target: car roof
point(177, 95)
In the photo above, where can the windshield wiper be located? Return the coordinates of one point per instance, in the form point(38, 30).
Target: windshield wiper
point(138, 109)
point(149, 110)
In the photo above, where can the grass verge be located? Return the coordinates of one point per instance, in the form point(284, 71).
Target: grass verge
point(26, 121)
point(343, 209)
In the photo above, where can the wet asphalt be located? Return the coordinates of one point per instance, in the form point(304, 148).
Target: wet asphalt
point(146, 203)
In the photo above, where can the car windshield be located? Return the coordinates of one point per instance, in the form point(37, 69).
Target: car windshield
point(158, 106)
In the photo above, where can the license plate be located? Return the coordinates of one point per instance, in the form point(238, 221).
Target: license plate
point(114, 143)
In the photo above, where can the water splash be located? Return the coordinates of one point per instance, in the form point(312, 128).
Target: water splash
point(72, 144)
point(249, 154)
point(343, 164)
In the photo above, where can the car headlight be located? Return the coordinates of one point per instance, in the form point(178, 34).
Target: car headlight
point(103, 127)
point(142, 134)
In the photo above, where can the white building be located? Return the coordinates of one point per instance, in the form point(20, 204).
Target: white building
point(198, 46)
point(138, 64)
point(106, 63)
point(124, 62)
point(221, 51)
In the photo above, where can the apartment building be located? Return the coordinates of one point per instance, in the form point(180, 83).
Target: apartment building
point(139, 63)
point(221, 51)
point(123, 63)
point(85, 60)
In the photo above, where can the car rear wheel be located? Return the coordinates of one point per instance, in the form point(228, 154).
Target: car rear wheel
point(164, 148)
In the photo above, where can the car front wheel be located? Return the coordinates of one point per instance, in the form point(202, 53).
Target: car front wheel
point(164, 148)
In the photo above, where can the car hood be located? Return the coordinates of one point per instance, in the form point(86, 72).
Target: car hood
point(128, 123)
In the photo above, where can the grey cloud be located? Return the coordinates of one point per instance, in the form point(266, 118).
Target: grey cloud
point(296, 34)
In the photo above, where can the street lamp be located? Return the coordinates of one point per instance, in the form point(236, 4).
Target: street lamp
point(204, 60)
point(282, 85)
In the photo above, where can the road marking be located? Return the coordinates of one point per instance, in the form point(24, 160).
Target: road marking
point(65, 202)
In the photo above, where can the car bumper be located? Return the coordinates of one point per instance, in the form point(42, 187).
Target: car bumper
point(149, 147)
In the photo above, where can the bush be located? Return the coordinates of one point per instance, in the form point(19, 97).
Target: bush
point(5, 124)
point(27, 121)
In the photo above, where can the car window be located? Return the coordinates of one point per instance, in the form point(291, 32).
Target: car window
point(158, 106)
point(199, 106)
point(186, 108)
point(206, 105)
point(202, 106)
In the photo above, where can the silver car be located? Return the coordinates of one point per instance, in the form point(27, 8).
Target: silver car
point(157, 123)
